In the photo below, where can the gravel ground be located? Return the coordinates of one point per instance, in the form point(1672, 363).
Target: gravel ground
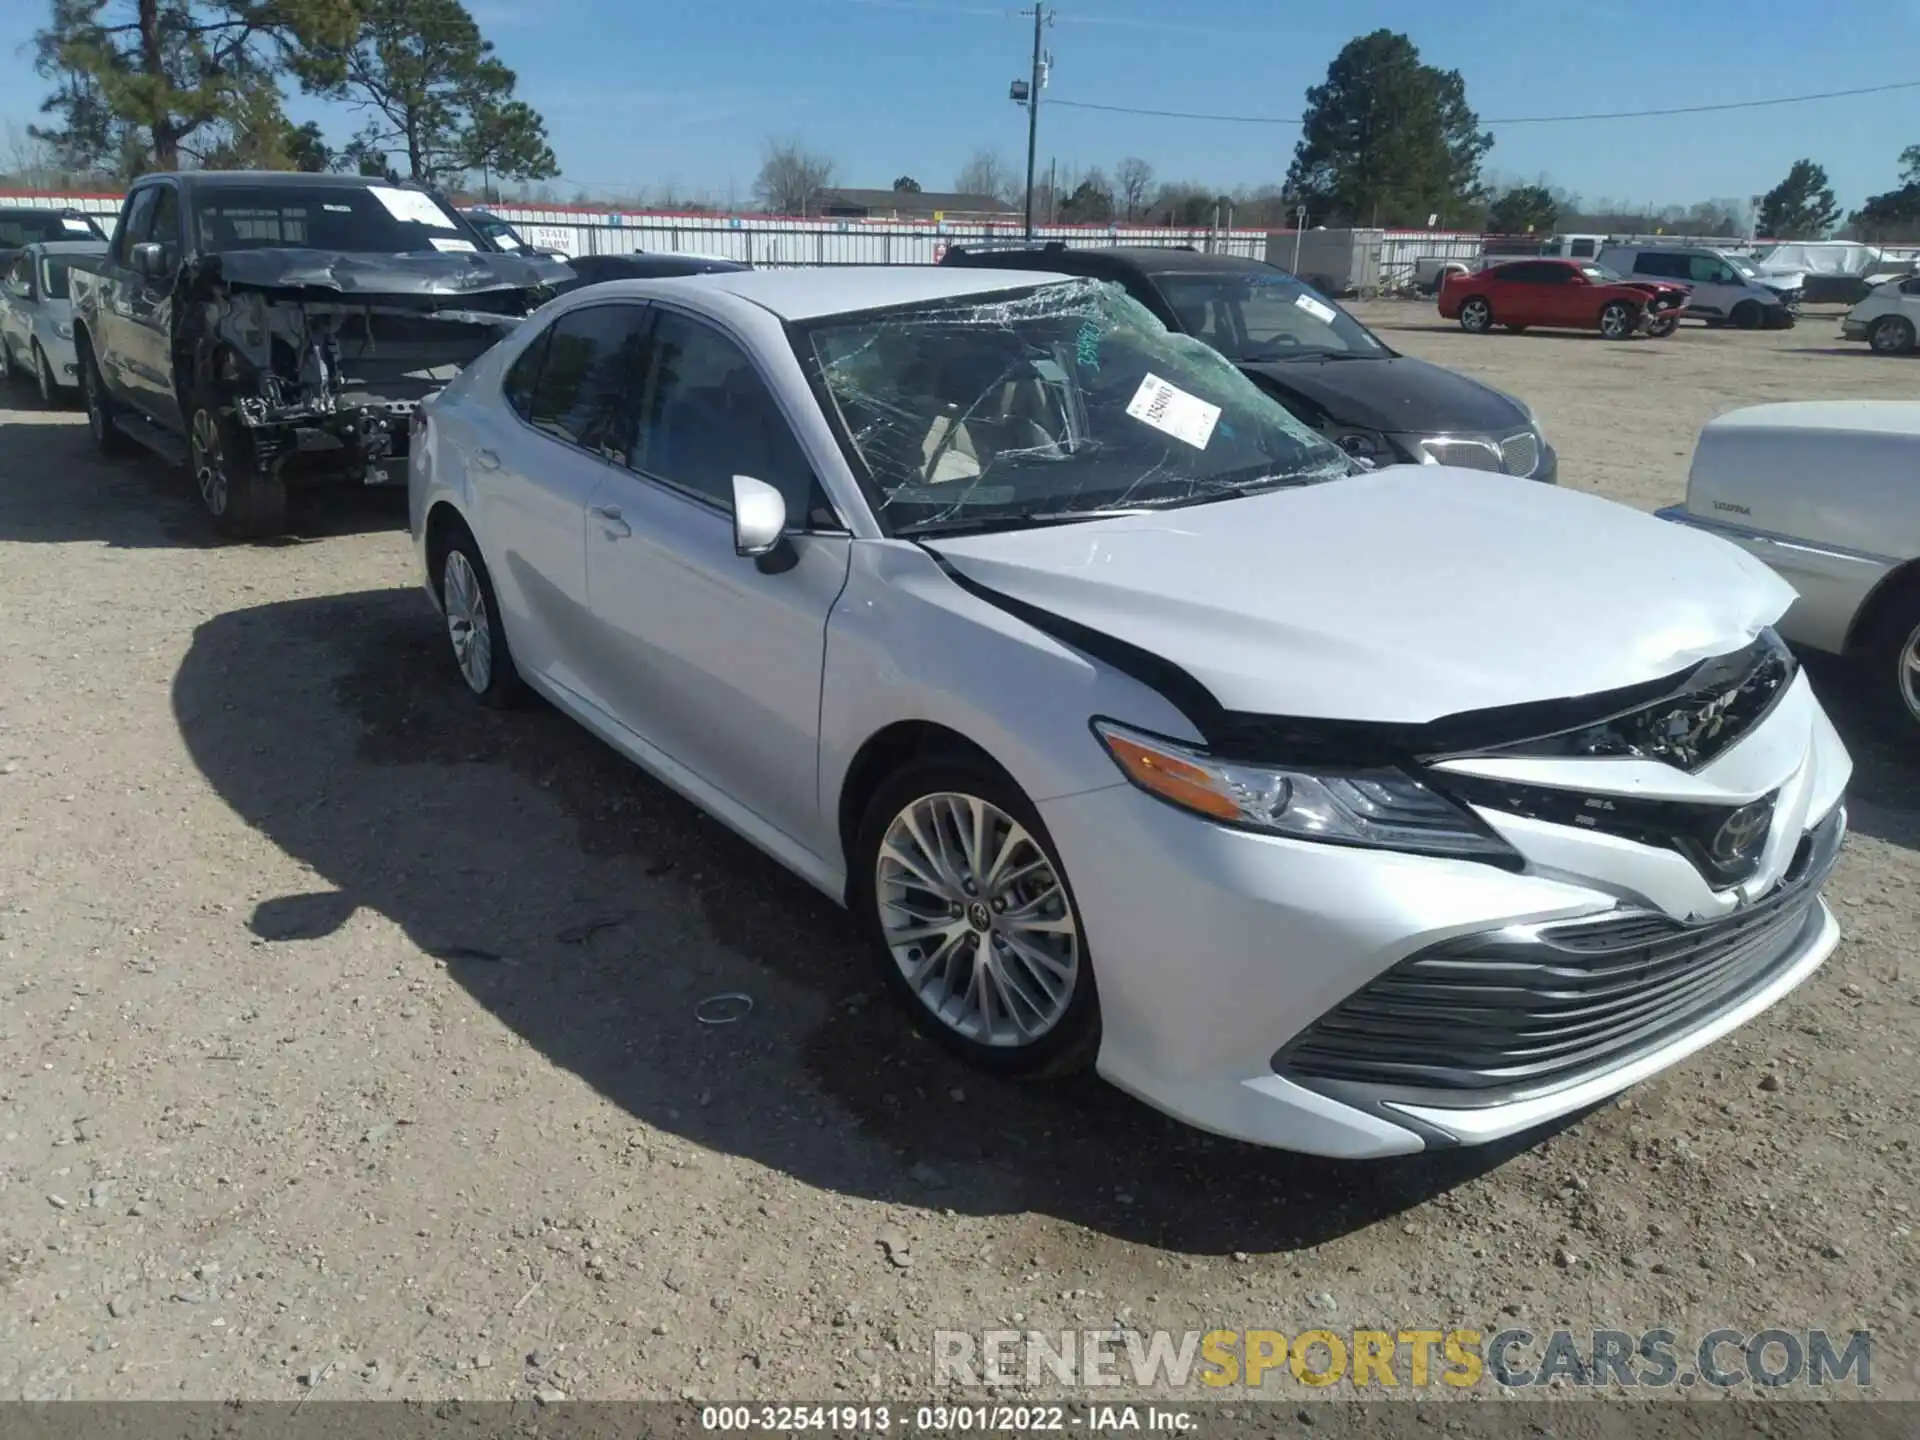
point(347, 1037)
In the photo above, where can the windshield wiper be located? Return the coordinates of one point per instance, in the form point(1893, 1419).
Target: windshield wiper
point(980, 524)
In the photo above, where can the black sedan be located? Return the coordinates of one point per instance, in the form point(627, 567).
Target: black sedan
point(1310, 355)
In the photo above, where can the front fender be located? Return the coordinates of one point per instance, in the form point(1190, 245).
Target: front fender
point(905, 643)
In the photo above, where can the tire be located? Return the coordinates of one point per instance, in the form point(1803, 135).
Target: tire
point(1893, 661)
point(1891, 335)
point(1061, 1010)
point(1476, 315)
point(245, 502)
point(1661, 329)
point(1616, 320)
point(1515, 329)
point(476, 635)
point(43, 377)
point(1746, 316)
point(6, 362)
point(108, 438)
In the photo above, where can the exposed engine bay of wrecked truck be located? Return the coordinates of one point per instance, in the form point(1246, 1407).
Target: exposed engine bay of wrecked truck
point(322, 359)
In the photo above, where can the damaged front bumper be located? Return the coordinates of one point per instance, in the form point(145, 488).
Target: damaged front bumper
point(322, 375)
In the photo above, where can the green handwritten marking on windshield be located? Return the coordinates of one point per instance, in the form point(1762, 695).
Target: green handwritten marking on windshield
point(1087, 346)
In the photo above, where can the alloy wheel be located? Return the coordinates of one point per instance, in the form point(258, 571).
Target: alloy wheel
point(1909, 672)
point(468, 625)
point(1891, 335)
point(209, 461)
point(43, 375)
point(6, 363)
point(1615, 321)
point(1476, 315)
point(96, 407)
point(975, 915)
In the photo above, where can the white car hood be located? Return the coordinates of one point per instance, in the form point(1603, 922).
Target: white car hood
point(1399, 596)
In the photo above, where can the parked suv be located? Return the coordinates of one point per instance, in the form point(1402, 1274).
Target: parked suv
point(1726, 289)
point(1327, 368)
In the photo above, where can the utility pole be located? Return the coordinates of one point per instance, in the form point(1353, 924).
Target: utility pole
point(1039, 79)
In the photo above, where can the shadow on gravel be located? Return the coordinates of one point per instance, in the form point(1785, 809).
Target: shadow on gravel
point(338, 728)
point(1883, 799)
point(55, 488)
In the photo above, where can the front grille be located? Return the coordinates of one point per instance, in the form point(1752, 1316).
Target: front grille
point(1520, 454)
point(1465, 453)
point(1512, 1013)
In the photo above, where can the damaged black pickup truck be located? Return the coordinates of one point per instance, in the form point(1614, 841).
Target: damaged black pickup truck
point(271, 330)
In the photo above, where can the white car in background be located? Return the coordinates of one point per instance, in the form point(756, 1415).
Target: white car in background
point(1825, 492)
point(36, 315)
point(1137, 725)
point(1888, 319)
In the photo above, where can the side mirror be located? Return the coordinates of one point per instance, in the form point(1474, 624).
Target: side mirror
point(759, 517)
point(149, 258)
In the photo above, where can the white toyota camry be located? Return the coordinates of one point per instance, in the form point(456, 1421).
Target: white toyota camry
point(1353, 812)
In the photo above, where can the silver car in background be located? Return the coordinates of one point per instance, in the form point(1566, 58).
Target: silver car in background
point(1137, 726)
point(36, 315)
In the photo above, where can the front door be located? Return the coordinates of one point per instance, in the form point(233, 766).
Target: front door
point(719, 658)
point(147, 367)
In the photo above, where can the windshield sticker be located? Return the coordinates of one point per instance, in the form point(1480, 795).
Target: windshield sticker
point(1319, 309)
point(1087, 347)
point(411, 206)
point(79, 227)
point(1170, 409)
point(440, 242)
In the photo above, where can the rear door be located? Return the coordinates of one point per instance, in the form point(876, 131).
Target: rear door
point(113, 316)
point(16, 307)
point(1519, 297)
point(150, 305)
point(534, 463)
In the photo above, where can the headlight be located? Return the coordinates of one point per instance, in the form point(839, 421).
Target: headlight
point(63, 328)
point(1384, 809)
point(1365, 444)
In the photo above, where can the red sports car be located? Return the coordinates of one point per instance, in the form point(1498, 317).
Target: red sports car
point(1561, 295)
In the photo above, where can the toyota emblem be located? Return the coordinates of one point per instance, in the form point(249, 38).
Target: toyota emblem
point(1741, 835)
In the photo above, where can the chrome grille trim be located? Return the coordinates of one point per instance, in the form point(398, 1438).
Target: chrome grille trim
point(1466, 452)
point(1520, 454)
point(1508, 1014)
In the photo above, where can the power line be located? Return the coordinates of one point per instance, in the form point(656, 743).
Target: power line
point(1515, 119)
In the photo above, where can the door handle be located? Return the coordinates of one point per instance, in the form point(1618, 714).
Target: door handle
point(486, 459)
point(610, 521)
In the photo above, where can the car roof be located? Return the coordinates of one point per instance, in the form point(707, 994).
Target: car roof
point(1858, 417)
point(68, 247)
point(847, 289)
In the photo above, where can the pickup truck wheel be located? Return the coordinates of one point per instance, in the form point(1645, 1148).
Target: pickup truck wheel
point(1891, 335)
point(1476, 316)
point(244, 502)
point(1616, 320)
point(1746, 316)
point(108, 439)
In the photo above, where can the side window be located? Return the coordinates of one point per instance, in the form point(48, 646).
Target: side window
point(1705, 270)
point(1910, 287)
point(17, 276)
point(165, 223)
point(517, 384)
point(1517, 274)
point(1666, 267)
point(1553, 275)
point(133, 222)
point(1582, 249)
point(593, 359)
point(708, 416)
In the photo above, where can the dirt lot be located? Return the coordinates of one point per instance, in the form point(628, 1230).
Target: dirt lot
point(347, 1036)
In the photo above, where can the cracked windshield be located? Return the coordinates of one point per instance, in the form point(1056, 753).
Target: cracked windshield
point(1061, 403)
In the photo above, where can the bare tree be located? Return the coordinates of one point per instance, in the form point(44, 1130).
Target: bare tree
point(791, 178)
point(1132, 183)
point(987, 174)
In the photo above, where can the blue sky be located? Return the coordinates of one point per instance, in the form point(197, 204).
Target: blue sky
point(685, 93)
